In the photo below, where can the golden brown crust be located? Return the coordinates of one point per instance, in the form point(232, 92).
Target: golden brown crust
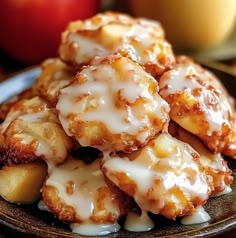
point(164, 177)
point(230, 147)
point(109, 33)
point(108, 203)
point(54, 76)
point(214, 164)
point(199, 103)
point(113, 105)
point(6, 106)
point(30, 131)
point(56, 206)
point(103, 93)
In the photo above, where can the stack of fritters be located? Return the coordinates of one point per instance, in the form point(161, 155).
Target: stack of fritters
point(160, 126)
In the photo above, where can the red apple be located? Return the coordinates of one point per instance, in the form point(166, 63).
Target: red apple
point(30, 30)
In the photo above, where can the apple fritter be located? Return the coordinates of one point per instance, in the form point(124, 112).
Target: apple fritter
point(112, 105)
point(6, 106)
point(31, 131)
point(116, 127)
point(230, 148)
point(109, 33)
point(54, 76)
point(199, 103)
point(77, 192)
point(213, 163)
point(164, 177)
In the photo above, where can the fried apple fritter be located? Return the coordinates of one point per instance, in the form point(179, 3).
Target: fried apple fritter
point(199, 103)
point(110, 33)
point(213, 163)
point(77, 192)
point(164, 177)
point(6, 106)
point(112, 92)
point(230, 148)
point(113, 105)
point(54, 76)
point(32, 131)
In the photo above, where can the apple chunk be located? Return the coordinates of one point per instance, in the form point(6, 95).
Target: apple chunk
point(112, 34)
point(22, 183)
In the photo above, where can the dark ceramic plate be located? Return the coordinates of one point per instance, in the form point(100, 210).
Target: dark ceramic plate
point(29, 221)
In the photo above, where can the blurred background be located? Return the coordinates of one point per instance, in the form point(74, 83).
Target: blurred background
point(30, 29)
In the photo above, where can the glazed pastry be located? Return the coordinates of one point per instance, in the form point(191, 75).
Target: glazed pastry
point(199, 103)
point(214, 164)
point(6, 106)
point(109, 33)
point(31, 131)
point(77, 192)
point(54, 76)
point(116, 129)
point(164, 177)
point(113, 105)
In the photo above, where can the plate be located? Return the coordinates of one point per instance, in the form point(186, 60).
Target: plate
point(17, 83)
point(29, 220)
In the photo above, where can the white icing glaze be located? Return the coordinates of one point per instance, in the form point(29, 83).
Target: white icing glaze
point(87, 47)
point(142, 40)
point(141, 43)
point(188, 77)
point(92, 229)
point(138, 223)
point(227, 190)
point(37, 126)
point(104, 88)
point(54, 76)
point(51, 147)
point(78, 184)
point(10, 117)
point(42, 206)
point(215, 166)
point(22, 108)
point(86, 180)
point(215, 162)
point(171, 168)
point(207, 158)
point(198, 217)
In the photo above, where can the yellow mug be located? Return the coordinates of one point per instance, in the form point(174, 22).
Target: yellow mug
point(190, 24)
